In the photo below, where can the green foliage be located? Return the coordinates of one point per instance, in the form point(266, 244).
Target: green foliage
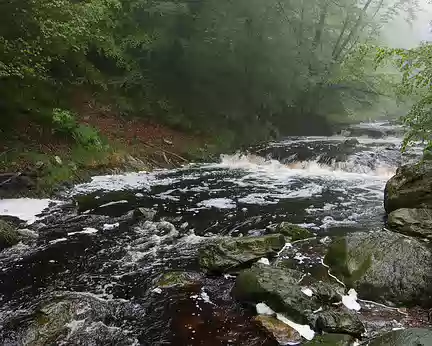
point(251, 67)
point(416, 83)
point(65, 122)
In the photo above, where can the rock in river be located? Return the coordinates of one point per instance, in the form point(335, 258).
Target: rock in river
point(293, 232)
point(384, 266)
point(281, 290)
point(406, 337)
point(415, 222)
point(8, 235)
point(411, 187)
point(235, 253)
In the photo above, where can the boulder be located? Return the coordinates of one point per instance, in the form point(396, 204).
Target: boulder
point(405, 337)
point(384, 266)
point(231, 254)
point(8, 235)
point(415, 222)
point(278, 288)
point(331, 340)
point(411, 187)
point(293, 232)
point(281, 290)
point(283, 333)
point(340, 321)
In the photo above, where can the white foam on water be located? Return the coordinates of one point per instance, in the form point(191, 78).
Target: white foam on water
point(59, 240)
point(113, 203)
point(264, 261)
point(264, 309)
point(307, 291)
point(304, 330)
point(350, 300)
point(26, 209)
point(110, 227)
point(219, 203)
point(87, 230)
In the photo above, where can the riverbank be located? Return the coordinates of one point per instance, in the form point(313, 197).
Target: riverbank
point(34, 162)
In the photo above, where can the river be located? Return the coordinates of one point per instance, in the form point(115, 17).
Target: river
point(89, 246)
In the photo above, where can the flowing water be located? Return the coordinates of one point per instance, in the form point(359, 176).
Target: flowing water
point(90, 247)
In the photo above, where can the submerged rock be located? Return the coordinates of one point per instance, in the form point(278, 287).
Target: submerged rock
point(8, 235)
point(235, 253)
point(405, 337)
point(282, 332)
point(415, 222)
point(384, 266)
point(411, 187)
point(331, 340)
point(293, 232)
point(175, 279)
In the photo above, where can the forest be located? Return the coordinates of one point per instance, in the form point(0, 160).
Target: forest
point(245, 70)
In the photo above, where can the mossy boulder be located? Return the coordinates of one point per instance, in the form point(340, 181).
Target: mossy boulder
point(281, 290)
point(411, 187)
point(334, 320)
point(331, 340)
point(415, 222)
point(384, 266)
point(276, 287)
point(405, 337)
point(175, 279)
point(8, 235)
point(231, 254)
point(293, 232)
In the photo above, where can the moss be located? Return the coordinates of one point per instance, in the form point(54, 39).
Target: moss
point(336, 258)
point(8, 235)
point(294, 232)
point(173, 279)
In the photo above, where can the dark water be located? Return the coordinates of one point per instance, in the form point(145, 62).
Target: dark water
point(92, 247)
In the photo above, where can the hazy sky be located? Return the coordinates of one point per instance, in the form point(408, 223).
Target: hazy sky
point(400, 34)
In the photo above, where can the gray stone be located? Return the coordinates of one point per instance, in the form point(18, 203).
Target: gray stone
point(406, 337)
point(341, 321)
point(411, 187)
point(278, 288)
point(384, 266)
point(415, 222)
point(232, 254)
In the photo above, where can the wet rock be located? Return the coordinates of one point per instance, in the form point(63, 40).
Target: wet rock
point(340, 321)
point(406, 337)
point(293, 232)
point(283, 333)
point(145, 213)
point(415, 222)
point(331, 340)
point(175, 279)
point(8, 235)
point(278, 288)
point(68, 319)
point(410, 188)
point(352, 142)
point(384, 266)
point(235, 253)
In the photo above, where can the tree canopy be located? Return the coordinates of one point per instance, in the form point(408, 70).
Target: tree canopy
point(250, 67)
